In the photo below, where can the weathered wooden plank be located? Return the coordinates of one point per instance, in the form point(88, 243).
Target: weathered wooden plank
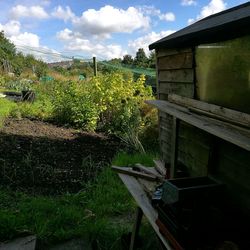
point(142, 200)
point(166, 52)
point(129, 171)
point(163, 96)
point(160, 167)
point(165, 146)
point(148, 170)
point(165, 124)
point(174, 147)
point(136, 227)
point(176, 75)
point(165, 134)
point(184, 89)
point(218, 112)
point(221, 129)
point(177, 61)
point(25, 243)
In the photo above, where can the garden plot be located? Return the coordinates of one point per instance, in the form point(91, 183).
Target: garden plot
point(47, 159)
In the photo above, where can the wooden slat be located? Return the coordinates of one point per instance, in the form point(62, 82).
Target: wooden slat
point(136, 228)
point(166, 52)
point(178, 61)
point(174, 147)
point(179, 75)
point(148, 170)
point(220, 129)
point(219, 112)
point(142, 200)
point(129, 171)
point(165, 146)
point(160, 167)
point(184, 89)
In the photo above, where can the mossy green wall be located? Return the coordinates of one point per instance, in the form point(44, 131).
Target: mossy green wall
point(223, 73)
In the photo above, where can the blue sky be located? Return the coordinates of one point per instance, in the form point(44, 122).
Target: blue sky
point(106, 29)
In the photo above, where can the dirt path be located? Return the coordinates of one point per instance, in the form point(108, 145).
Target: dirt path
point(48, 159)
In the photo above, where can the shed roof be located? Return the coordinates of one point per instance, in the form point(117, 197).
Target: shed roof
point(228, 24)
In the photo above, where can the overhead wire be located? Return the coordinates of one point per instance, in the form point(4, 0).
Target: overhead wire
point(59, 55)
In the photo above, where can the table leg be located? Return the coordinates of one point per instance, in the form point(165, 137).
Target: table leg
point(136, 227)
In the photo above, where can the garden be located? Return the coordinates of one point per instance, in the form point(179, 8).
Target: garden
point(56, 155)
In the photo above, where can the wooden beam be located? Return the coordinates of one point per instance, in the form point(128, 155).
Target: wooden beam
point(176, 75)
point(136, 228)
point(174, 147)
point(212, 110)
point(159, 166)
point(177, 61)
point(230, 133)
point(129, 171)
point(144, 203)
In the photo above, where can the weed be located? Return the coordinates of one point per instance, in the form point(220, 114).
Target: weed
point(6, 107)
point(125, 159)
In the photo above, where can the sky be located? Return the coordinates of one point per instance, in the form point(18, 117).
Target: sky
point(55, 30)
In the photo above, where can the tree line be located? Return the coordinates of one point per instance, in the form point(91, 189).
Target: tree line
point(12, 61)
point(140, 60)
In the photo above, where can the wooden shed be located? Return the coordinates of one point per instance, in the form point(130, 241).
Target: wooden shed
point(203, 88)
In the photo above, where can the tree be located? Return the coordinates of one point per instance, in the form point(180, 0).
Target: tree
point(127, 59)
point(7, 49)
point(141, 59)
point(152, 60)
point(116, 61)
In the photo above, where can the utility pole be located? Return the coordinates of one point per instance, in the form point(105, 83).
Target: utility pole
point(95, 66)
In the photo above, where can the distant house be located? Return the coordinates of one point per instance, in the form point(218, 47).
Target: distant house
point(208, 61)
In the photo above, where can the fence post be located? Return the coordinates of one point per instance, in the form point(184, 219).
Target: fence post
point(95, 66)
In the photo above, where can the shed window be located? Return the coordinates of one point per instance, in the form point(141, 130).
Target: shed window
point(223, 73)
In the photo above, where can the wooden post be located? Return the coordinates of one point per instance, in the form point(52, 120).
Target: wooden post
point(174, 148)
point(95, 66)
point(135, 232)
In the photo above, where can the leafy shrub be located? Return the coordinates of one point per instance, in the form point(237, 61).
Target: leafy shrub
point(73, 105)
point(106, 102)
point(17, 84)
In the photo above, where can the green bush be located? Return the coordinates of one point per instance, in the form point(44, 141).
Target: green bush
point(112, 103)
point(107, 102)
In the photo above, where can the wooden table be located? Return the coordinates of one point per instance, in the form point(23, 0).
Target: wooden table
point(135, 187)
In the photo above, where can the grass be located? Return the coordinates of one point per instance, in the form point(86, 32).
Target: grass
point(124, 159)
point(90, 212)
point(102, 212)
point(6, 107)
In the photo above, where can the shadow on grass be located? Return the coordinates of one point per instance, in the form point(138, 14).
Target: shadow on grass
point(53, 165)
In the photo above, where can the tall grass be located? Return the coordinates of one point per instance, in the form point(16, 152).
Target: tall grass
point(102, 212)
point(6, 107)
point(125, 159)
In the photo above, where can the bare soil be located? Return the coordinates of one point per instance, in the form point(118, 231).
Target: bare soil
point(44, 158)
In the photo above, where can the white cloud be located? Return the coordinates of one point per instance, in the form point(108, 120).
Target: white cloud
point(213, 7)
point(145, 41)
point(35, 11)
point(74, 41)
point(188, 2)
point(191, 20)
point(170, 17)
point(152, 11)
point(11, 28)
point(26, 38)
point(109, 20)
point(65, 35)
point(45, 2)
point(64, 14)
point(28, 43)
